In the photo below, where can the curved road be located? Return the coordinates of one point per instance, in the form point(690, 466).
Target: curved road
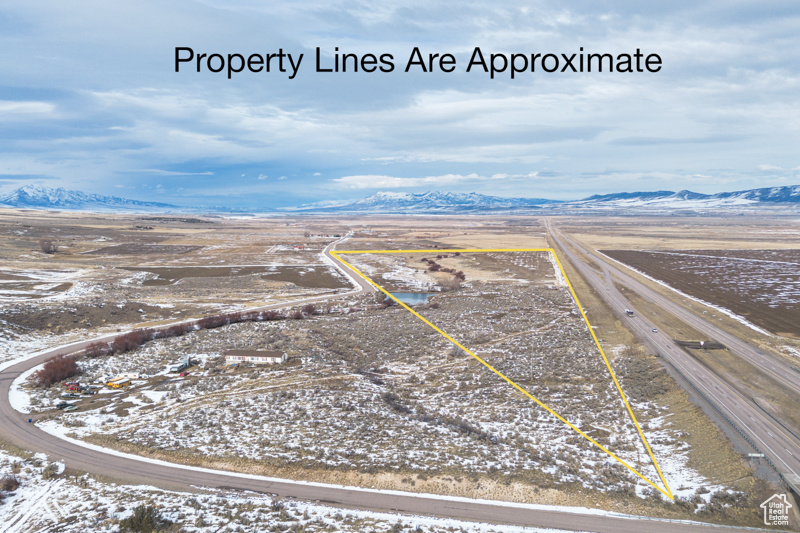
point(130, 469)
point(782, 448)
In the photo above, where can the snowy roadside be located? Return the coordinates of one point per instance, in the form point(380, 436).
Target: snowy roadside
point(42, 497)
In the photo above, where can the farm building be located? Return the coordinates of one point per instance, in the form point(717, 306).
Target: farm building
point(267, 357)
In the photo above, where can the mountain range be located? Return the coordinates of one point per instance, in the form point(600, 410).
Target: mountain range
point(441, 202)
point(428, 202)
point(39, 197)
point(432, 202)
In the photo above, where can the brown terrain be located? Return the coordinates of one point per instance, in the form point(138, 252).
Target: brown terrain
point(761, 285)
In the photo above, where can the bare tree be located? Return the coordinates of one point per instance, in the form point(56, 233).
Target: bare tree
point(450, 284)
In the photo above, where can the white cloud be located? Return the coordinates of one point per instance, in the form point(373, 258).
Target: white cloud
point(8, 107)
point(261, 176)
point(159, 172)
point(16, 110)
point(391, 182)
point(769, 167)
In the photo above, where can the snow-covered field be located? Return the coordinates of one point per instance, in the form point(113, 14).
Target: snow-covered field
point(373, 392)
point(48, 499)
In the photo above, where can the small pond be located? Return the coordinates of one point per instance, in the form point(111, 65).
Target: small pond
point(413, 298)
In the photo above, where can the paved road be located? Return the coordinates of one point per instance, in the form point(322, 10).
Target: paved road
point(17, 430)
point(782, 448)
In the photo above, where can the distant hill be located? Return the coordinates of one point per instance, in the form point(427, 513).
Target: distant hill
point(691, 200)
point(427, 202)
point(432, 202)
point(39, 197)
point(447, 203)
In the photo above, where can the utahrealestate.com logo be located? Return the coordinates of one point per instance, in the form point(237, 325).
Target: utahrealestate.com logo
point(776, 510)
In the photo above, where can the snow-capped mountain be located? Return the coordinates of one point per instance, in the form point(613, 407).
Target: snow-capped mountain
point(443, 202)
point(427, 202)
point(39, 197)
point(433, 202)
point(690, 200)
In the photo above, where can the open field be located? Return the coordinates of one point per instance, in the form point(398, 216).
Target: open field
point(370, 396)
point(373, 397)
point(761, 285)
point(684, 233)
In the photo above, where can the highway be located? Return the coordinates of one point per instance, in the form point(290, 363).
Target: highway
point(779, 446)
point(132, 469)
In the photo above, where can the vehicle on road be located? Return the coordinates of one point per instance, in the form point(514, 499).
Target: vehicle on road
point(655, 330)
point(629, 312)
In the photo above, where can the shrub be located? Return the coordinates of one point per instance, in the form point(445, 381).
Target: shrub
point(48, 246)
point(97, 349)
point(276, 506)
point(394, 402)
point(176, 331)
point(50, 472)
point(144, 519)
point(56, 369)
point(211, 322)
point(450, 284)
point(310, 310)
point(131, 340)
point(272, 315)
point(9, 483)
point(296, 315)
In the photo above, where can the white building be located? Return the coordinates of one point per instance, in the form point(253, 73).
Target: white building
point(233, 357)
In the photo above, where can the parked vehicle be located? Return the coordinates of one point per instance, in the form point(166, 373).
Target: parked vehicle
point(183, 374)
point(70, 395)
point(62, 405)
point(71, 408)
point(119, 383)
point(73, 385)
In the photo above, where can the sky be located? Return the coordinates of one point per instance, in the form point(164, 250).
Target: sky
point(90, 100)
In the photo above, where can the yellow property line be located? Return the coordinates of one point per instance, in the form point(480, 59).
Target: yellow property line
point(667, 492)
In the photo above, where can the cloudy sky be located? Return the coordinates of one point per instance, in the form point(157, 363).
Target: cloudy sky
point(90, 100)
